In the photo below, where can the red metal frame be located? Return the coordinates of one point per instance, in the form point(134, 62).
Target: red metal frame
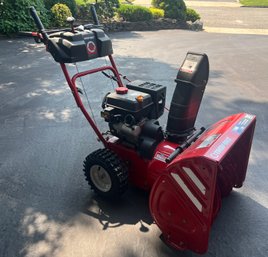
point(72, 84)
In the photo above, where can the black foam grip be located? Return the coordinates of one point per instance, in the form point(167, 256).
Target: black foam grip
point(36, 18)
point(94, 15)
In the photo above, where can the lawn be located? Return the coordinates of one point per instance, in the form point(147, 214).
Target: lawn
point(80, 2)
point(254, 2)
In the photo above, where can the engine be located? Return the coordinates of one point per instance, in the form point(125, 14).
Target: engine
point(132, 114)
point(132, 111)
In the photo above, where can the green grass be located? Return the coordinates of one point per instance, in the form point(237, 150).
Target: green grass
point(254, 2)
point(81, 2)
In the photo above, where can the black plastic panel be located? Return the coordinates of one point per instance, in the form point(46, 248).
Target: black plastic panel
point(157, 92)
point(191, 82)
point(69, 47)
point(128, 104)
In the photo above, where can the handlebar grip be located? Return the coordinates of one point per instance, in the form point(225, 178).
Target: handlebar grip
point(38, 23)
point(36, 18)
point(94, 14)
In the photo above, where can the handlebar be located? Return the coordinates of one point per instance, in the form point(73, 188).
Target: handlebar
point(43, 34)
point(38, 23)
point(94, 15)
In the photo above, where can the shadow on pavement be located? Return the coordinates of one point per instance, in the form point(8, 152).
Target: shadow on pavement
point(131, 209)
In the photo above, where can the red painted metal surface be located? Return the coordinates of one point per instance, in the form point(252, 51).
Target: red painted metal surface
point(142, 172)
point(186, 198)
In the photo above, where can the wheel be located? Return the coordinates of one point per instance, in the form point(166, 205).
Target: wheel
point(106, 173)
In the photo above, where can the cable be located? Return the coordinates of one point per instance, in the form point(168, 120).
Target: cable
point(109, 72)
point(86, 95)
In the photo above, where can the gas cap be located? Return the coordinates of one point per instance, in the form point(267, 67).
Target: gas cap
point(121, 90)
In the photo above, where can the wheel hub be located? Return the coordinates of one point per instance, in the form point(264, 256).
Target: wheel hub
point(101, 178)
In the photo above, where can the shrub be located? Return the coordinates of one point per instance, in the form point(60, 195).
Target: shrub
point(134, 13)
point(70, 3)
point(15, 15)
point(174, 9)
point(60, 12)
point(105, 8)
point(157, 13)
point(192, 15)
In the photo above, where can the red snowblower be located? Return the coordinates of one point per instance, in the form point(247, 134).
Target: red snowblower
point(187, 170)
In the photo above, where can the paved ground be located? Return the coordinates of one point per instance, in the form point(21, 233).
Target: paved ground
point(47, 208)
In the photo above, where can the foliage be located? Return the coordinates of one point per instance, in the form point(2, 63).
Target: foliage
point(134, 13)
point(15, 15)
point(70, 3)
point(192, 15)
point(260, 3)
point(157, 13)
point(83, 8)
point(174, 9)
point(105, 8)
point(60, 12)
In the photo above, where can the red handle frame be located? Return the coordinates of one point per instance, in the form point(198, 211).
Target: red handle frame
point(72, 84)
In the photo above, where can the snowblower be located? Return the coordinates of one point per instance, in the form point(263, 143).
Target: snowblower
point(187, 169)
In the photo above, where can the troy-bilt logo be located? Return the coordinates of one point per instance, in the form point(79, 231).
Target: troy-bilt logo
point(91, 47)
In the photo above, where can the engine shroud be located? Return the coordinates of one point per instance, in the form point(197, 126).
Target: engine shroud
point(156, 91)
point(128, 104)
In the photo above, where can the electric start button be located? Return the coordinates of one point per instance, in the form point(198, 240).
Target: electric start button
point(121, 90)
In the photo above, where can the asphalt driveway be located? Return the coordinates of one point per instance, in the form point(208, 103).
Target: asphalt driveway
point(47, 209)
point(227, 16)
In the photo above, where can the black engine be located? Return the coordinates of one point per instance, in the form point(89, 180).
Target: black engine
point(132, 114)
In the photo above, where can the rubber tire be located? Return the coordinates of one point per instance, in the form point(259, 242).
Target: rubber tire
point(114, 167)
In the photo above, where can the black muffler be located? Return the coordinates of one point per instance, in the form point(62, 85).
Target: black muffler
point(191, 83)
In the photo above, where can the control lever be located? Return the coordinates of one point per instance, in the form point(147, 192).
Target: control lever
point(71, 21)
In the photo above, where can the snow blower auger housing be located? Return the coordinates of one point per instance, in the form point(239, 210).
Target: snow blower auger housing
point(187, 170)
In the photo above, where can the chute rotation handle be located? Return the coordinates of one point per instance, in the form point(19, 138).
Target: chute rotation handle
point(38, 23)
point(184, 145)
